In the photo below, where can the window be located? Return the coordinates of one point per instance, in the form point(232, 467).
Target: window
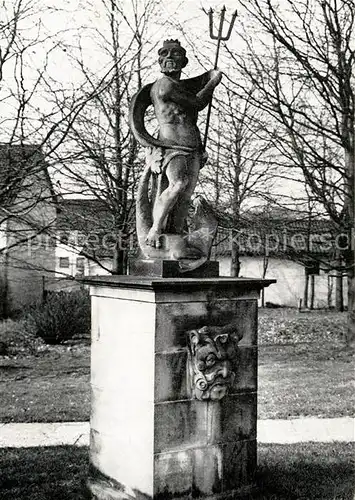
point(64, 262)
point(80, 263)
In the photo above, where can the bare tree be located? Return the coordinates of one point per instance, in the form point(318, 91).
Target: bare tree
point(99, 157)
point(303, 71)
point(12, 14)
point(32, 123)
point(241, 170)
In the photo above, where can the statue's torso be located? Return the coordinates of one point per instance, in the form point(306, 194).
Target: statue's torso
point(177, 122)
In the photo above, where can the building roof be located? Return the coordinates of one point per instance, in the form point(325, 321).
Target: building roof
point(83, 214)
point(295, 238)
point(94, 224)
point(18, 164)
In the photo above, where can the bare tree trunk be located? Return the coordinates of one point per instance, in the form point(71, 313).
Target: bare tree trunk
point(236, 204)
point(350, 338)
point(120, 256)
point(350, 254)
point(235, 261)
point(339, 292)
point(118, 260)
point(265, 266)
point(306, 269)
point(4, 307)
point(348, 135)
point(305, 292)
point(311, 306)
point(330, 292)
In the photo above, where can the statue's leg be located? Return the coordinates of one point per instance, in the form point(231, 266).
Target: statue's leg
point(183, 202)
point(178, 182)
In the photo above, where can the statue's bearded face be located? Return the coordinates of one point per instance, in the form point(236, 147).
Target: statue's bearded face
point(172, 58)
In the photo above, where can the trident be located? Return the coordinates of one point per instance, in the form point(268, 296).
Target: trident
point(219, 37)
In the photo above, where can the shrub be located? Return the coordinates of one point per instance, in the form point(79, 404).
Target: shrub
point(4, 348)
point(63, 316)
point(16, 337)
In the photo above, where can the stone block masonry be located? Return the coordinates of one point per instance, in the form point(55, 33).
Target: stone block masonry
point(151, 438)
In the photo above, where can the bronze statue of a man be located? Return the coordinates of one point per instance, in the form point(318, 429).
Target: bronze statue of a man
point(173, 159)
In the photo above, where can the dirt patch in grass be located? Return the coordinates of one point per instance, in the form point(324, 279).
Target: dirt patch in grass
point(310, 471)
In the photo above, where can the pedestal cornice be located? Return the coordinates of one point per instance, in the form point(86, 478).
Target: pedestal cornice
point(184, 284)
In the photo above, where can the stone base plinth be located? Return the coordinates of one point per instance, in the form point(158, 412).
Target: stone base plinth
point(150, 437)
point(161, 268)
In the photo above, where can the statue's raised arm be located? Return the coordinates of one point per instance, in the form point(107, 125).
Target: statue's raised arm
point(174, 158)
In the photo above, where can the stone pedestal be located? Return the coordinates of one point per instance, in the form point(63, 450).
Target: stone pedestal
point(160, 268)
point(150, 437)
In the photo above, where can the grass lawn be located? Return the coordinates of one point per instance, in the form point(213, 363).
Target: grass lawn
point(305, 380)
point(294, 472)
point(52, 387)
point(304, 369)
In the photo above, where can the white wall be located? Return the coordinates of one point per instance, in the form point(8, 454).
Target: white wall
point(66, 251)
point(3, 235)
point(290, 280)
point(95, 269)
point(90, 268)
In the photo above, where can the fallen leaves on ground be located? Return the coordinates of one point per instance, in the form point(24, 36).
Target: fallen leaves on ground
point(289, 326)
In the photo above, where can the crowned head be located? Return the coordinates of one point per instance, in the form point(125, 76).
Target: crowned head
point(172, 57)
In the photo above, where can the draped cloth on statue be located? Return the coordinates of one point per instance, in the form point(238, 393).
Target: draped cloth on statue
point(157, 159)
